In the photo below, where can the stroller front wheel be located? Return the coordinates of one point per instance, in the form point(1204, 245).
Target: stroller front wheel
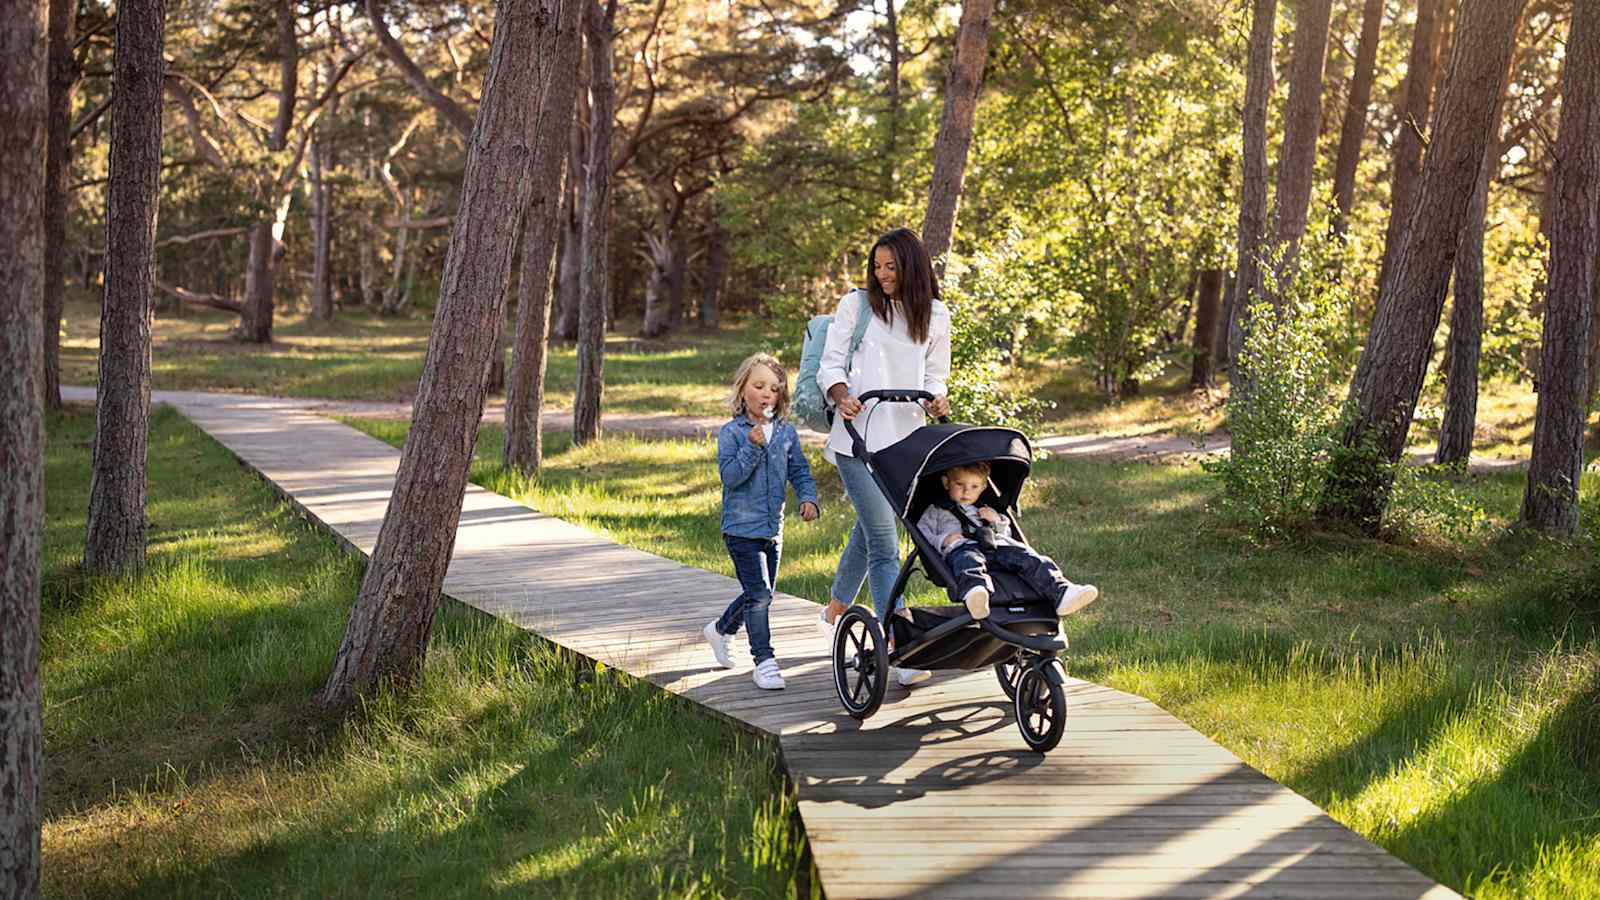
point(1006, 673)
point(1041, 706)
point(860, 662)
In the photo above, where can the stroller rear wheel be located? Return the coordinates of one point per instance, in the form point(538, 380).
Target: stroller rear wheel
point(1041, 705)
point(860, 662)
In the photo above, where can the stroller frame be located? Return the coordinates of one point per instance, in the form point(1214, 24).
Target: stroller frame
point(1019, 637)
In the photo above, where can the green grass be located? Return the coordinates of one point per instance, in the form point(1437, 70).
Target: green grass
point(361, 356)
point(185, 759)
point(1434, 695)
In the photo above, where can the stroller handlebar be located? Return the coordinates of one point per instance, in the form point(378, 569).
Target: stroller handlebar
point(857, 444)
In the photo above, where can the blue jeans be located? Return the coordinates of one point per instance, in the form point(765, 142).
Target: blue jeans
point(755, 562)
point(873, 552)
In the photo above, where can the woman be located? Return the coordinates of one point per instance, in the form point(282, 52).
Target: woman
point(906, 345)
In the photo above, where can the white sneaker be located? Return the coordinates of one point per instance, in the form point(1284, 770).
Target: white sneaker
point(720, 643)
point(908, 677)
point(977, 601)
point(1075, 598)
point(767, 677)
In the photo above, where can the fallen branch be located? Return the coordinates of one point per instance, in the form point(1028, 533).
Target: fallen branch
point(203, 235)
point(214, 301)
point(418, 224)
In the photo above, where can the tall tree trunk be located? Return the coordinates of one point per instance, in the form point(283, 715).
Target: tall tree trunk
point(569, 242)
point(1302, 115)
point(321, 272)
point(594, 288)
point(116, 530)
point(523, 449)
point(1550, 503)
point(955, 127)
point(1354, 131)
point(24, 108)
point(1466, 334)
point(1389, 377)
point(1466, 311)
point(63, 78)
point(658, 285)
point(677, 280)
point(255, 324)
point(1418, 92)
point(1202, 375)
point(711, 286)
point(1253, 197)
point(891, 38)
point(392, 620)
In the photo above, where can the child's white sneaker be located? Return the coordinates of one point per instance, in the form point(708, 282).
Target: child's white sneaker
point(721, 645)
point(767, 677)
point(977, 601)
point(908, 677)
point(1076, 597)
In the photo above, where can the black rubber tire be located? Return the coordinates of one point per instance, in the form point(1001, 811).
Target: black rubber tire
point(859, 651)
point(1041, 708)
point(1006, 673)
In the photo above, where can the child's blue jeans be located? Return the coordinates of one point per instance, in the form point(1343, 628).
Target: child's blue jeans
point(755, 562)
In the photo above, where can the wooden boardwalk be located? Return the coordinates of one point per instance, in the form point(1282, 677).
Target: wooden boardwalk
point(935, 795)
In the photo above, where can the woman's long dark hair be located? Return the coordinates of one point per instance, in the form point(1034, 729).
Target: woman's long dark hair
point(914, 274)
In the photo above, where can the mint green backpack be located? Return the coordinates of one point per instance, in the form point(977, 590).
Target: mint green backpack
point(809, 406)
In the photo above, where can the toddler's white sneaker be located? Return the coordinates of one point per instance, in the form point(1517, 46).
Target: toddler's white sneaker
point(977, 601)
point(1075, 598)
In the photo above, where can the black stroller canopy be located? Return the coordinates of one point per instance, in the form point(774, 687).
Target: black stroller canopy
point(909, 469)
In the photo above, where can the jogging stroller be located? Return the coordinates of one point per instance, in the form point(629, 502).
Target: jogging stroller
point(1019, 636)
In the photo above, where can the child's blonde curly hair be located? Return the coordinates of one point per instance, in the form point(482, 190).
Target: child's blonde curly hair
point(742, 378)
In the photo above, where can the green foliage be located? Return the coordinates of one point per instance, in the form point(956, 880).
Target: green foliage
point(1286, 427)
point(989, 295)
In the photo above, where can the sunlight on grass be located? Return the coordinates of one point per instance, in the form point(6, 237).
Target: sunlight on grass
point(186, 760)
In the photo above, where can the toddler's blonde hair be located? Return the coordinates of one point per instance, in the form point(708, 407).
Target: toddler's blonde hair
point(742, 378)
point(980, 469)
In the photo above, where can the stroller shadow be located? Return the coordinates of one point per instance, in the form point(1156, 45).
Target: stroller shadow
point(862, 770)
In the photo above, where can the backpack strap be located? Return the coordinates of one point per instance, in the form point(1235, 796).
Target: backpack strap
point(863, 319)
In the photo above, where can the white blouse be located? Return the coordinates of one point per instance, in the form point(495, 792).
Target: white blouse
point(888, 359)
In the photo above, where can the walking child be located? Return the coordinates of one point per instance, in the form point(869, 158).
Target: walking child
point(758, 456)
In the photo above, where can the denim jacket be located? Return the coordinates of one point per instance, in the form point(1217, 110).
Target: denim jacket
point(754, 478)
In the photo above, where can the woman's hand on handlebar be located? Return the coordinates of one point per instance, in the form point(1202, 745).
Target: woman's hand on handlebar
point(844, 401)
point(938, 406)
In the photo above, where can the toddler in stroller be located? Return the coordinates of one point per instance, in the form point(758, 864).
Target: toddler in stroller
point(976, 539)
point(1018, 633)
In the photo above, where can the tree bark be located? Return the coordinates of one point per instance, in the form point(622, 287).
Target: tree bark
point(1389, 377)
point(1420, 74)
point(711, 287)
point(115, 537)
point(1466, 334)
point(1466, 311)
point(658, 285)
point(1297, 159)
point(594, 287)
point(523, 449)
point(255, 326)
point(24, 108)
point(955, 128)
point(321, 272)
point(677, 280)
point(1354, 131)
point(1202, 374)
point(1550, 502)
point(63, 78)
point(1253, 197)
point(392, 620)
point(569, 242)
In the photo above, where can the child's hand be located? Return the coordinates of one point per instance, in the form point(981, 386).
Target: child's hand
point(988, 515)
point(808, 511)
point(951, 539)
point(758, 436)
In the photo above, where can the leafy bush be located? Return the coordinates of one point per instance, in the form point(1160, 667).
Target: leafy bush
point(1288, 424)
point(986, 296)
